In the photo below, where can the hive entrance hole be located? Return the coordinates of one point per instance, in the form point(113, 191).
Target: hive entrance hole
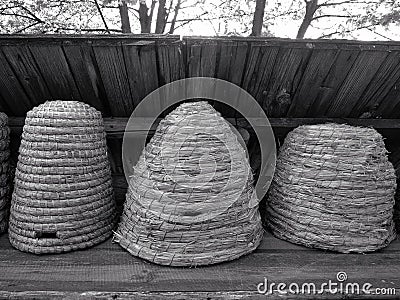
point(46, 234)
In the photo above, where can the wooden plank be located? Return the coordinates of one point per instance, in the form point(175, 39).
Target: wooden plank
point(54, 68)
point(317, 69)
point(305, 43)
point(170, 59)
point(81, 60)
point(56, 39)
point(360, 75)
point(390, 105)
point(25, 68)
point(289, 67)
point(4, 106)
point(12, 93)
point(110, 60)
point(258, 71)
point(118, 125)
point(385, 78)
point(108, 268)
point(232, 61)
point(331, 84)
point(168, 295)
point(201, 60)
point(140, 60)
point(115, 151)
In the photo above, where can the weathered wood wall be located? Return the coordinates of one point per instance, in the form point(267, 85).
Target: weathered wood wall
point(312, 78)
point(295, 82)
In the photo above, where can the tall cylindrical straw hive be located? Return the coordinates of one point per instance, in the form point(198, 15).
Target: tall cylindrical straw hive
point(333, 189)
point(191, 200)
point(397, 198)
point(4, 169)
point(63, 198)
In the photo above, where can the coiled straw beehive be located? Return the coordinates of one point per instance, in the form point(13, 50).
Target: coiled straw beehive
point(333, 189)
point(62, 199)
point(190, 200)
point(397, 198)
point(4, 169)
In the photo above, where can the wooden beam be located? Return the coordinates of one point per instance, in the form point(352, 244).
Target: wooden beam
point(117, 125)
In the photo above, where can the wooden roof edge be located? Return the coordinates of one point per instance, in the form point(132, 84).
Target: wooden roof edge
point(285, 42)
point(118, 124)
point(300, 43)
point(7, 39)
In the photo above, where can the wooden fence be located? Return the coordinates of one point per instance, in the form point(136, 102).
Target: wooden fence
point(289, 78)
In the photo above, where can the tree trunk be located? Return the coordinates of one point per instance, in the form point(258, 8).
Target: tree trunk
point(161, 17)
point(123, 11)
point(311, 8)
point(173, 22)
point(258, 19)
point(145, 21)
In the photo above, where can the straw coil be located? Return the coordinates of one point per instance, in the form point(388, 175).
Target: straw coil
point(4, 171)
point(63, 198)
point(191, 200)
point(333, 189)
point(396, 214)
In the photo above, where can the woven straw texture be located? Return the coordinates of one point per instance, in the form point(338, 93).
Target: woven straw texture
point(333, 189)
point(4, 172)
point(397, 198)
point(191, 200)
point(63, 198)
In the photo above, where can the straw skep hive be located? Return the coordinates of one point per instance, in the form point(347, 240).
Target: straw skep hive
point(397, 198)
point(62, 199)
point(191, 200)
point(4, 169)
point(333, 189)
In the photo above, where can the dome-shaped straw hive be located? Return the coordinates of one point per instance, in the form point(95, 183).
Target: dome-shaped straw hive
point(333, 189)
point(4, 167)
point(191, 200)
point(397, 198)
point(62, 199)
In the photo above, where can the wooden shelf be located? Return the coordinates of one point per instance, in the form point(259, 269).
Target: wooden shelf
point(107, 271)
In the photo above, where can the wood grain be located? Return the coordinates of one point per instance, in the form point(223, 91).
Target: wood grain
point(289, 78)
point(141, 67)
point(23, 64)
point(108, 268)
point(317, 69)
point(384, 80)
point(110, 61)
point(16, 101)
point(55, 70)
point(361, 74)
point(332, 82)
point(83, 66)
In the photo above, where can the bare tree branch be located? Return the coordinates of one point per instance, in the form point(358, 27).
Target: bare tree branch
point(26, 27)
point(331, 16)
point(379, 34)
point(89, 29)
point(345, 2)
point(329, 35)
